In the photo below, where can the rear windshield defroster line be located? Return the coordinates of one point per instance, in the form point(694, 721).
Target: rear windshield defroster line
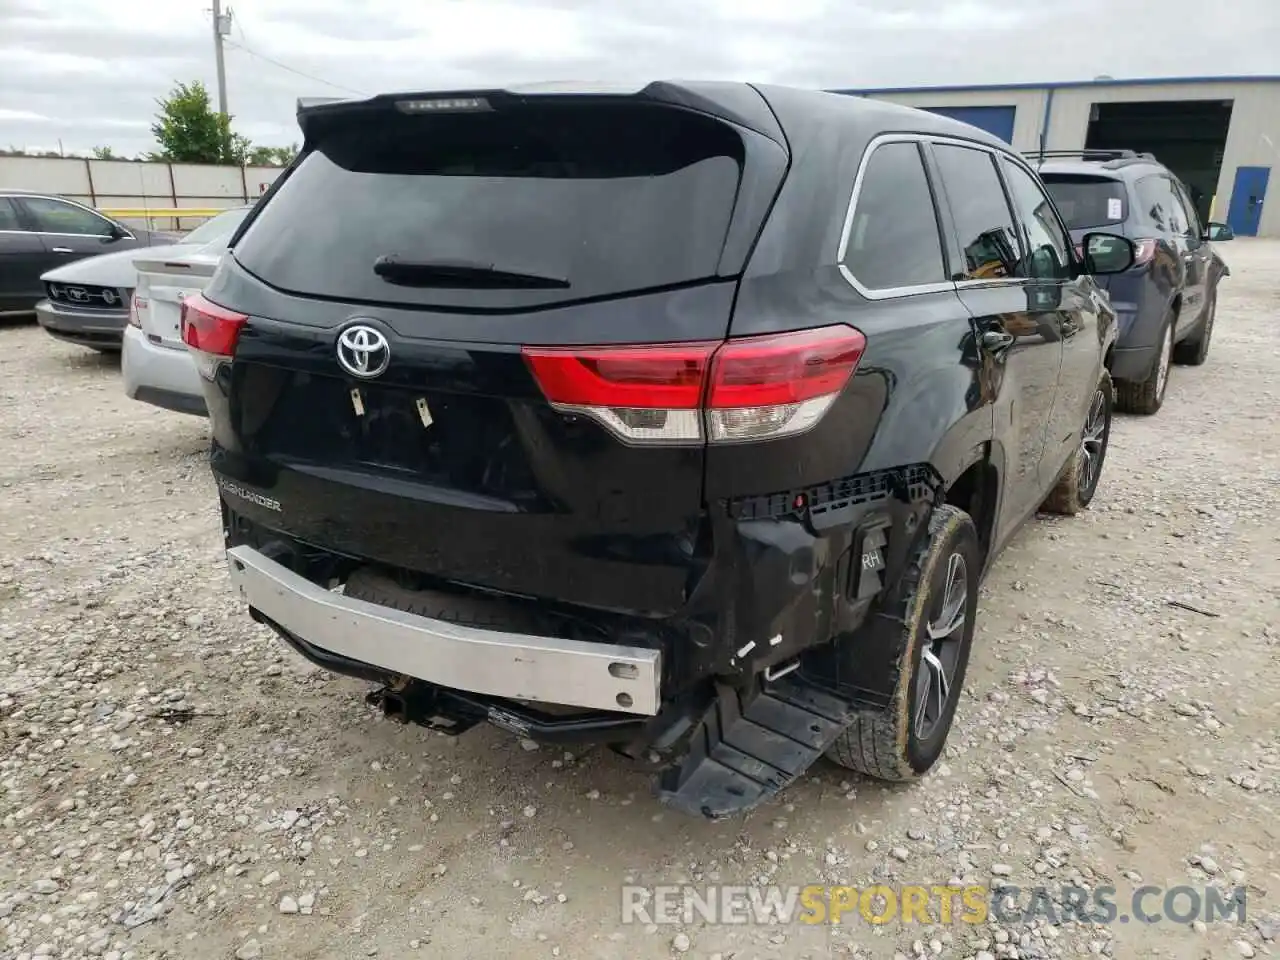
point(579, 200)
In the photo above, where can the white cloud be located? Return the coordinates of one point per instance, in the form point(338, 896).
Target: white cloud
point(21, 116)
point(89, 71)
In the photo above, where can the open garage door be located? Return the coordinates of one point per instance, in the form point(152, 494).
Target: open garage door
point(997, 121)
point(1187, 136)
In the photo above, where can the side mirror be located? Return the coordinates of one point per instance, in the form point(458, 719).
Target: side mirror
point(1218, 231)
point(116, 232)
point(1106, 253)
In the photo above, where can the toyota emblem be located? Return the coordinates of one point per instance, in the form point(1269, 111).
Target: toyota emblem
point(363, 351)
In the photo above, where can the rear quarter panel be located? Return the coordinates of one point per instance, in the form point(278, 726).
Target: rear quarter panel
point(919, 394)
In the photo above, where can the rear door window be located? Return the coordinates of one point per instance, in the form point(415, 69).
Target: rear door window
point(893, 237)
point(1157, 205)
point(1187, 211)
point(58, 216)
point(9, 216)
point(580, 201)
point(1086, 201)
point(1047, 243)
point(981, 212)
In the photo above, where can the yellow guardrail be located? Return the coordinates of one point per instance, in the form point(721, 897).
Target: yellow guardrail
point(127, 212)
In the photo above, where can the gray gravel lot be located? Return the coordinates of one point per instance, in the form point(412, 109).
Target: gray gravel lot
point(174, 783)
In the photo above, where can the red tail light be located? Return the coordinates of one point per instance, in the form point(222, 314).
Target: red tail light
point(1144, 251)
point(773, 386)
point(750, 389)
point(136, 303)
point(644, 377)
point(645, 394)
point(209, 328)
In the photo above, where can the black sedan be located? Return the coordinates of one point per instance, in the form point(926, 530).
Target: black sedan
point(39, 232)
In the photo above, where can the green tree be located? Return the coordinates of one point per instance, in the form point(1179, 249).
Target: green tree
point(238, 150)
point(273, 156)
point(105, 153)
point(189, 130)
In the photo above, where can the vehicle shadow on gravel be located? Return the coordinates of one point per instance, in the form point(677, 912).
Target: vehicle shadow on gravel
point(575, 785)
point(93, 360)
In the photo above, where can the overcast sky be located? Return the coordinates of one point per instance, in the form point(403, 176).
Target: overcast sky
point(88, 72)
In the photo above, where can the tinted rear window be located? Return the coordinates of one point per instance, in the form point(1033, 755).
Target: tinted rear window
point(219, 229)
point(610, 199)
point(893, 238)
point(1087, 201)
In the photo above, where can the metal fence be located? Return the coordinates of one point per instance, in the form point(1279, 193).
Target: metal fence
point(162, 196)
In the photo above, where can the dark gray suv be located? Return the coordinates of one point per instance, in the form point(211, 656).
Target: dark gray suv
point(1165, 301)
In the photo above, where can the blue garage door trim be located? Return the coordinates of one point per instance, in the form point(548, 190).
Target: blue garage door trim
point(997, 121)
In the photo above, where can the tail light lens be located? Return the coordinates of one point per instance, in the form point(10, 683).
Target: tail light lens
point(763, 387)
point(650, 393)
point(755, 388)
point(1144, 251)
point(136, 303)
point(210, 332)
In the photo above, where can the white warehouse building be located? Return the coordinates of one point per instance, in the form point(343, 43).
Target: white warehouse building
point(1220, 135)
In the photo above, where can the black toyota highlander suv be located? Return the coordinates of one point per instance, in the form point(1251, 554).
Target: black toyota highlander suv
point(683, 419)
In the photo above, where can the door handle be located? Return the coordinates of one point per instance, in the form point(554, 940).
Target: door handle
point(63, 250)
point(997, 341)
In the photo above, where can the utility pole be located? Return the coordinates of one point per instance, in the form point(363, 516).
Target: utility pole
point(221, 28)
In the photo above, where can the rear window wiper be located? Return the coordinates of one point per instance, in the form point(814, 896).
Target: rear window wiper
point(460, 273)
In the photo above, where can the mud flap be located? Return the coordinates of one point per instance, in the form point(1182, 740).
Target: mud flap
point(744, 753)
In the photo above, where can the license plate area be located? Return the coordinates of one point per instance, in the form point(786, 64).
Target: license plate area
point(465, 442)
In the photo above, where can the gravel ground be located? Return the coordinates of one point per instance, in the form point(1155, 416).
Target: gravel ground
point(176, 784)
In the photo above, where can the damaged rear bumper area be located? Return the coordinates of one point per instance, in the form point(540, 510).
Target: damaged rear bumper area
point(595, 676)
point(726, 722)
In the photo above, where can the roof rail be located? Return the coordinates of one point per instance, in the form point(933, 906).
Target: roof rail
point(1091, 154)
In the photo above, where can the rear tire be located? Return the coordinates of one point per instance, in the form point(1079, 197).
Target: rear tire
point(1146, 396)
point(1193, 351)
point(903, 741)
point(1079, 481)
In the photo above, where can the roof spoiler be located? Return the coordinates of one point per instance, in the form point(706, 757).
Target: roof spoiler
point(736, 103)
point(307, 103)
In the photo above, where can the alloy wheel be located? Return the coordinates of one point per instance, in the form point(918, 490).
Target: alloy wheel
point(1093, 443)
point(1166, 358)
point(941, 654)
